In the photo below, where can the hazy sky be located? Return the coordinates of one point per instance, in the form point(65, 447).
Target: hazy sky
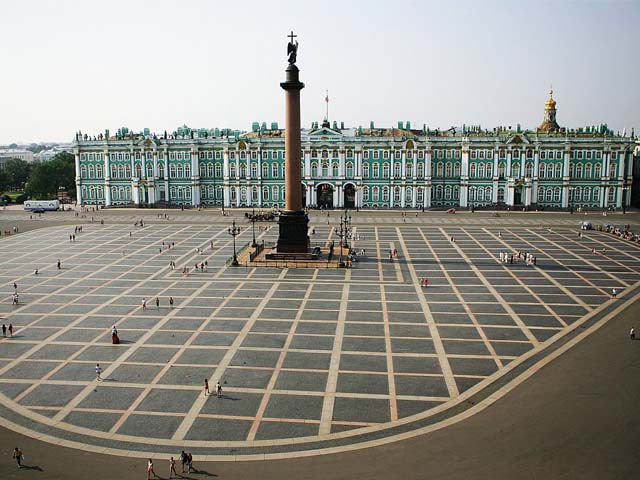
point(90, 65)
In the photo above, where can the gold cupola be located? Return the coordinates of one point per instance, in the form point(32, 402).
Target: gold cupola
point(549, 124)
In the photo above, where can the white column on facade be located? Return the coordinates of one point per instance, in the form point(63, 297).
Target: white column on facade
point(307, 165)
point(414, 192)
point(404, 163)
point(427, 164)
point(342, 168)
point(225, 164)
point(143, 163)
point(336, 196)
point(426, 201)
point(403, 192)
point(151, 192)
point(565, 166)
point(508, 173)
point(225, 196)
point(565, 196)
point(259, 191)
point(464, 177)
point(248, 176)
point(358, 160)
point(156, 174)
point(237, 154)
point(195, 179)
point(79, 198)
point(523, 162)
point(107, 179)
point(414, 156)
point(135, 193)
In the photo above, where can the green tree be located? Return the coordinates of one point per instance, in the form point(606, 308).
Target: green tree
point(46, 178)
point(4, 180)
point(17, 172)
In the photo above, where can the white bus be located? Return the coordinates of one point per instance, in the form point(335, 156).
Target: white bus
point(41, 205)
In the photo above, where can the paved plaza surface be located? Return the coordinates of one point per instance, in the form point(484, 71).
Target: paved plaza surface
point(310, 360)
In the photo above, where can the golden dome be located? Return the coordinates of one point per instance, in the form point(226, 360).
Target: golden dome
point(551, 103)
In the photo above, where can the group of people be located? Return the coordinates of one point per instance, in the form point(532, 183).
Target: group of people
point(6, 329)
point(393, 253)
point(187, 466)
point(511, 258)
point(623, 232)
point(217, 387)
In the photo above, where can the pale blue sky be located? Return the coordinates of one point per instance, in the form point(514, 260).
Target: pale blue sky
point(91, 65)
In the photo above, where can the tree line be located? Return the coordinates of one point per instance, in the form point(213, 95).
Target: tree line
point(39, 181)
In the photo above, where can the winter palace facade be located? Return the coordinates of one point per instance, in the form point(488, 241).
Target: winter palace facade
point(550, 167)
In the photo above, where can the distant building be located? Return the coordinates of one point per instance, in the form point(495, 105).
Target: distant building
point(550, 167)
point(49, 154)
point(9, 153)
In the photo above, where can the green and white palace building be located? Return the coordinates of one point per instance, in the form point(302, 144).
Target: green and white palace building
point(547, 168)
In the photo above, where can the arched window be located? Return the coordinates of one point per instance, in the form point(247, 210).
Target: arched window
point(138, 170)
point(587, 194)
point(447, 192)
point(275, 194)
point(456, 192)
point(385, 194)
point(385, 170)
point(335, 169)
point(420, 170)
point(365, 194)
point(365, 170)
point(243, 170)
point(350, 169)
point(447, 170)
point(500, 194)
point(542, 170)
point(480, 194)
point(528, 169)
point(548, 195)
point(274, 170)
point(100, 192)
point(254, 169)
point(149, 170)
point(578, 172)
point(397, 169)
point(114, 171)
point(161, 171)
point(611, 196)
point(92, 192)
point(515, 169)
point(210, 170)
point(612, 170)
point(187, 170)
point(456, 169)
point(180, 171)
point(408, 194)
point(83, 171)
point(472, 170)
point(232, 170)
point(489, 169)
point(98, 171)
point(314, 169)
point(488, 194)
point(243, 194)
point(265, 194)
point(396, 195)
point(325, 169)
point(232, 194)
point(409, 168)
point(588, 170)
point(376, 193)
point(203, 170)
point(596, 194)
point(420, 195)
point(558, 170)
point(438, 192)
point(502, 167)
point(598, 171)
point(577, 197)
point(472, 193)
point(556, 194)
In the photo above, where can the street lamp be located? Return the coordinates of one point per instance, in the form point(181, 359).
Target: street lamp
point(253, 227)
point(234, 232)
point(624, 199)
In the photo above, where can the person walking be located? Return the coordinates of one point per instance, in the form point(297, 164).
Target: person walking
point(59, 264)
point(171, 302)
point(172, 468)
point(150, 470)
point(157, 303)
point(11, 328)
point(632, 334)
point(206, 387)
point(184, 459)
point(614, 293)
point(4, 330)
point(98, 372)
point(18, 455)
point(144, 304)
point(189, 462)
point(218, 390)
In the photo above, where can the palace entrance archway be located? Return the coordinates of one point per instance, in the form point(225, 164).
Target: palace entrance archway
point(324, 193)
point(349, 196)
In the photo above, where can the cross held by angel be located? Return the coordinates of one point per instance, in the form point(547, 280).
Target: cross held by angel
point(292, 48)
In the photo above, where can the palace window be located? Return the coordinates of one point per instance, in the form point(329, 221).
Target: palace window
point(91, 172)
point(408, 195)
point(447, 170)
point(314, 169)
point(439, 169)
point(254, 194)
point(397, 155)
point(456, 169)
point(376, 154)
point(596, 194)
point(528, 169)
point(385, 154)
point(203, 170)
point(349, 153)
point(420, 195)
point(275, 193)
point(243, 170)
point(365, 194)
point(265, 170)
point(588, 170)
point(612, 170)
point(365, 155)
point(489, 169)
point(420, 154)
point(376, 194)
point(611, 196)
point(376, 170)
point(138, 170)
point(501, 195)
point(350, 169)
point(274, 170)
point(578, 170)
point(83, 171)
point(558, 170)
point(265, 194)
point(218, 170)
point(385, 170)
point(335, 169)
point(385, 194)
point(438, 192)
point(397, 169)
point(481, 170)
point(187, 170)
point(365, 170)
point(243, 194)
point(396, 195)
point(420, 169)
point(254, 170)
point(149, 170)
point(409, 169)
point(325, 169)
point(232, 170)
point(447, 192)
point(472, 170)
point(598, 170)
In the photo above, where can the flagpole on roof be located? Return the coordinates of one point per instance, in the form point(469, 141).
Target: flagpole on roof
point(326, 99)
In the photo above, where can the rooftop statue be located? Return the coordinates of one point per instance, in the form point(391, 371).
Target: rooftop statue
point(292, 49)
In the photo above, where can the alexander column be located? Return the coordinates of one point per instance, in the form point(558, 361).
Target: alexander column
point(293, 222)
